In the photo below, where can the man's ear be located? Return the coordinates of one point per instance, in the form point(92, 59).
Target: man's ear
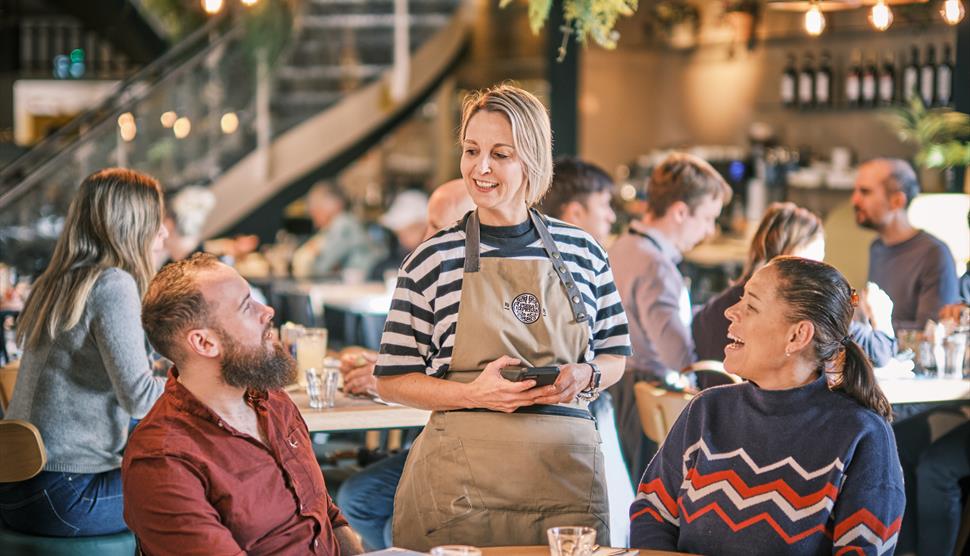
point(679, 211)
point(800, 336)
point(203, 342)
point(897, 200)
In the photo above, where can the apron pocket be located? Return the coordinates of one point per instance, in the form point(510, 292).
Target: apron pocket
point(548, 478)
point(444, 478)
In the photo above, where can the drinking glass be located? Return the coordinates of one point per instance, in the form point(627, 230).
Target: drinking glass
point(455, 550)
point(289, 333)
point(311, 349)
point(321, 386)
point(571, 541)
point(956, 348)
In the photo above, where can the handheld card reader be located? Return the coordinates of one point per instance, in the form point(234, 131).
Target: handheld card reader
point(544, 376)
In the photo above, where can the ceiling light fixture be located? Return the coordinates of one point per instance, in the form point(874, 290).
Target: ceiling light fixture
point(880, 16)
point(952, 11)
point(814, 20)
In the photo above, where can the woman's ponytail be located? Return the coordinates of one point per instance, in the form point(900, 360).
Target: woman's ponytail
point(856, 378)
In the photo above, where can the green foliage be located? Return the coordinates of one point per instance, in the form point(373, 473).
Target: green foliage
point(584, 18)
point(938, 133)
point(268, 25)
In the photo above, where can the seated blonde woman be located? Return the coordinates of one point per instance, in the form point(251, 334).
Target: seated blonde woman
point(791, 461)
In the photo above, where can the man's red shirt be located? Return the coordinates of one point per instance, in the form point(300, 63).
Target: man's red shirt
point(195, 485)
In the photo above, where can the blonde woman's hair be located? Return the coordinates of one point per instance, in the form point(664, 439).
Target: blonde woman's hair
point(112, 222)
point(784, 228)
point(531, 131)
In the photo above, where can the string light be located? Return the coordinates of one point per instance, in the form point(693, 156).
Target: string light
point(952, 11)
point(814, 20)
point(182, 128)
point(168, 119)
point(229, 123)
point(212, 6)
point(880, 16)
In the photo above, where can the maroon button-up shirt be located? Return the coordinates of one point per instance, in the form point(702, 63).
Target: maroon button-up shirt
point(194, 485)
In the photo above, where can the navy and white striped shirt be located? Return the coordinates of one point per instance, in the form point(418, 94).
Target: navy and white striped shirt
point(420, 332)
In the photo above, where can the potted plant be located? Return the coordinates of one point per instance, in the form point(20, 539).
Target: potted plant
point(677, 21)
point(742, 16)
point(939, 135)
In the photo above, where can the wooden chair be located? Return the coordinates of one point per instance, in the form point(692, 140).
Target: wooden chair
point(709, 373)
point(658, 409)
point(22, 456)
point(8, 377)
point(22, 453)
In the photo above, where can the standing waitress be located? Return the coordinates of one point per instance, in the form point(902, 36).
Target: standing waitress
point(500, 462)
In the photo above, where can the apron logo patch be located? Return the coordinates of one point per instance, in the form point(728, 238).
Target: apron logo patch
point(526, 308)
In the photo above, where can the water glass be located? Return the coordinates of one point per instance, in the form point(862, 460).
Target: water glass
point(455, 550)
point(289, 333)
point(321, 386)
point(311, 349)
point(571, 541)
point(956, 349)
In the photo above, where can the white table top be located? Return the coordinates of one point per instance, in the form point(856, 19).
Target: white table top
point(356, 414)
point(925, 390)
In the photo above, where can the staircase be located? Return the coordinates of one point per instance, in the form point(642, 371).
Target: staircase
point(214, 111)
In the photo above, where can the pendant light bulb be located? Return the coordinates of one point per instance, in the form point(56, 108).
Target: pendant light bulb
point(814, 21)
point(952, 11)
point(880, 16)
point(212, 6)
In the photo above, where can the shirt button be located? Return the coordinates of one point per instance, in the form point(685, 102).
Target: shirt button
point(315, 543)
point(575, 299)
point(220, 423)
point(300, 508)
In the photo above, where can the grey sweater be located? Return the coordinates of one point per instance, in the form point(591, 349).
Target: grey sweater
point(82, 389)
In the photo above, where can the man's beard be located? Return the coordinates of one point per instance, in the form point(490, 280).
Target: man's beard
point(255, 367)
point(864, 221)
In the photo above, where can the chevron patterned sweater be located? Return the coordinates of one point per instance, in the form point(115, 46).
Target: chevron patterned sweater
point(748, 471)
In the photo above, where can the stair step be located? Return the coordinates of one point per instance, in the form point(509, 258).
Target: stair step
point(367, 21)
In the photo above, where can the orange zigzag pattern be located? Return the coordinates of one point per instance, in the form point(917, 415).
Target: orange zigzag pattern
point(656, 486)
point(716, 508)
point(798, 501)
point(866, 518)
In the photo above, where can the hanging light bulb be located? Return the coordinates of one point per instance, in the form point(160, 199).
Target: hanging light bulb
point(249, 2)
point(814, 20)
point(212, 6)
point(952, 11)
point(880, 16)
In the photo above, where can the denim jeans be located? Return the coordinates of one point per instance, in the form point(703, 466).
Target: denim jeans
point(933, 452)
point(367, 500)
point(64, 504)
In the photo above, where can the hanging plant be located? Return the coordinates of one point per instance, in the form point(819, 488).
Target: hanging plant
point(583, 18)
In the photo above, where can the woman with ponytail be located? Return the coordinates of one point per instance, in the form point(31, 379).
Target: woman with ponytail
point(800, 459)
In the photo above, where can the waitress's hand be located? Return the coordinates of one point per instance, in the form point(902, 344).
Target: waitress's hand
point(573, 379)
point(490, 390)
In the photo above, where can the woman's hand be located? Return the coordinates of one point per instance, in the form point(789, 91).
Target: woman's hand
point(573, 379)
point(358, 373)
point(491, 391)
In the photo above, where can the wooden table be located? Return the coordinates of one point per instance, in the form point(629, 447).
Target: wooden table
point(544, 551)
point(925, 390)
point(358, 414)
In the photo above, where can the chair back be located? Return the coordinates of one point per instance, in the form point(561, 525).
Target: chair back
point(710, 373)
point(658, 409)
point(22, 453)
point(8, 378)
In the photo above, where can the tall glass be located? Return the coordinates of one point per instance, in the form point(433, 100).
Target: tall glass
point(311, 350)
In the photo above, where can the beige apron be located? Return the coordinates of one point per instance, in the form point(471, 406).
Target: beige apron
point(487, 478)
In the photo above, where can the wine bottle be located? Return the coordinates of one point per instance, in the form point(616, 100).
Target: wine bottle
point(944, 78)
point(806, 83)
point(853, 81)
point(823, 82)
point(789, 84)
point(869, 76)
point(887, 81)
point(927, 77)
point(911, 76)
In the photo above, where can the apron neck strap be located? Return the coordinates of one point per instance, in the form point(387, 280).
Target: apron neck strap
point(473, 259)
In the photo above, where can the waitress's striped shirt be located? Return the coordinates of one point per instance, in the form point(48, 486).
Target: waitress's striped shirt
point(420, 332)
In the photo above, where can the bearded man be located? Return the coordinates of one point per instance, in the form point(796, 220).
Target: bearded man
point(223, 463)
